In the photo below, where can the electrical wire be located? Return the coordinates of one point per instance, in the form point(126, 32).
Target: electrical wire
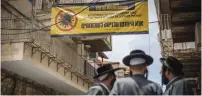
point(154, 22)
point(59, 22)
point(156, 39)
point(55, 23)
point(159, 41)
point(29, 18)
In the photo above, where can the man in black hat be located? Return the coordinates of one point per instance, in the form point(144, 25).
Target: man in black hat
point(106, 77)
point(172, 77)
point(137, 84)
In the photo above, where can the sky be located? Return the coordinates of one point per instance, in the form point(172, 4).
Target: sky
point(122, 45)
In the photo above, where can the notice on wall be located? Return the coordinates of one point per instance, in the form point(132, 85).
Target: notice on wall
point(12, 52)
point(123, 17)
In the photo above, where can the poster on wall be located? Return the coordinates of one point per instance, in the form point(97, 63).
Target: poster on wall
point(120, 17)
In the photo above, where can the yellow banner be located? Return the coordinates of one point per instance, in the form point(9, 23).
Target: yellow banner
point(100, 18)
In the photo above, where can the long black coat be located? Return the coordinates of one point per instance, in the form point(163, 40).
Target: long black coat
point(178, 86)
point(98, 90)
point(135, 85)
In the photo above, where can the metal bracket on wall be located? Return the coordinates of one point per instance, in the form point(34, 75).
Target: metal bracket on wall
point(77, 79)
point(50, 60)
point(43, 55)
point(65, 71)
point(72, 75)
point(34, 49)
point(58, 66)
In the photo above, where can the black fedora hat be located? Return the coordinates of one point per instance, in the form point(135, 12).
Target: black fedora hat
point(106, 68)
point(172, 64)
point(138, 54)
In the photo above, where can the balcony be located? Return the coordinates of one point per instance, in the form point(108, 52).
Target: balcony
point(43, 14)
point(96, 43)
point(166, 6)
point(180, 34)
point(184, 14)
point(170, 34)
point(99, 43)
point(56, 64)
point(179, 41)
point(185, 5)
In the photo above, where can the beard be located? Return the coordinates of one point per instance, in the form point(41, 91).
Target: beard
point(112, 82)
point(165, 80)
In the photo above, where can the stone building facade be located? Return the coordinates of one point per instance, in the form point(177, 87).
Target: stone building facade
point(12, 83)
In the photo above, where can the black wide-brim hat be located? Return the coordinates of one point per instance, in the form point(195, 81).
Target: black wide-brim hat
point(106, 68)
point(172, 63)
point(138, 54)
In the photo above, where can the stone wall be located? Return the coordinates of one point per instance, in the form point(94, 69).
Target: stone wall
point(14, 84)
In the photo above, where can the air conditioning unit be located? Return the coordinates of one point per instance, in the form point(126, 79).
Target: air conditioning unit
point(198, 34)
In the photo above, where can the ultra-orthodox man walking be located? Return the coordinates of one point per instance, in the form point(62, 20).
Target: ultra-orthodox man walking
point(138, 83)
point(172, 77)
point(106, 77)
